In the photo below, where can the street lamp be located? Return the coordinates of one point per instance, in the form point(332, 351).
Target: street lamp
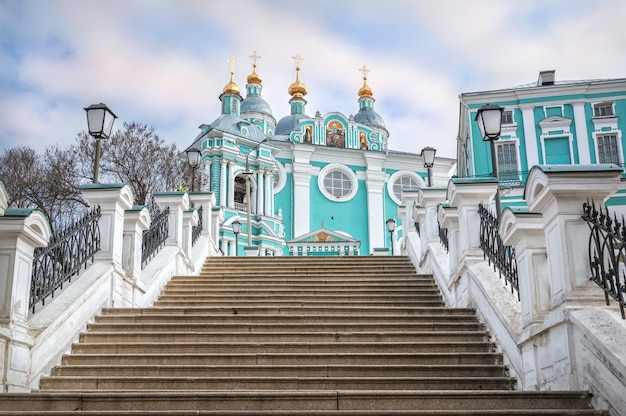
point(489, 119)
point(391, 226)
point(100, 123)
point(193, 159)
point(248, 204)
point(236, 228)
point(428, 155)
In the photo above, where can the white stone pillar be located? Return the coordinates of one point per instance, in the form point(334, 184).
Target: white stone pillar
point(178, 202)
point(114, 200)
point(580, 121)
point(429, 199)
point(206, 200)
point(558, 192)
point(190, 219)
point(230, 186)
point(21, 231)
point(136, 221)
point(465, 195)
point(525, 232)
point(449, 219)
point(375, 183)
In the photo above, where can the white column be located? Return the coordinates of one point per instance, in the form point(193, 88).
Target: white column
point(136, 221)
point(375, 185)
point(428, 199)
point(260, 190)
point(178, 202)
point(582, 141)
point(530, 136)
point(223, 200)
point(269, 197)
point(231, 186)
point(301, 198)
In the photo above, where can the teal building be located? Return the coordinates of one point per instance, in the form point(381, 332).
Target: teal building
point(318, 185)
point(544, 122)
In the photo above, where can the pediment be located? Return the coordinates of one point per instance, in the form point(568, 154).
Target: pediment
point(555, 122)
point(324, 235)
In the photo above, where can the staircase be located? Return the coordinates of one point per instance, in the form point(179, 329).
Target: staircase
point(290, 336)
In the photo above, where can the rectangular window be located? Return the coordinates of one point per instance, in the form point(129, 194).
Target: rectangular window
point(507, 161)
point(608, 151)
point(603, 109)
point(507, 117)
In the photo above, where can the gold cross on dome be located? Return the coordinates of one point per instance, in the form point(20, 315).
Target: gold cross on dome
point(233, 63)
point(365, 70)
point(298, 59)
point(254, 57)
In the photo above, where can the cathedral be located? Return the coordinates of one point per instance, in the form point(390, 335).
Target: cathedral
point(305, 185)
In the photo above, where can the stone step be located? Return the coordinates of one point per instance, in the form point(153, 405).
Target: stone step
point(294, 370)
point(253, 359)
point(283, 403)
point(531, 412)
point(280, 347)
point(163, 325)
point(319, 303)
point(87, 383)
point(302, 311)
point(316, 337)
point(269, 285)
point(183, 295)
point(145, 316)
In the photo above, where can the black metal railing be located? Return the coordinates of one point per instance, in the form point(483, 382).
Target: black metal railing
point(607, 253)
point(443, 236)
point(154, 237)
point(502, 257)
point(63, 257)
point(196, 229)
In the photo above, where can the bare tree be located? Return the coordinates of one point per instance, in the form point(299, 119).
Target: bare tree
point(138, 156)
point(45, 181)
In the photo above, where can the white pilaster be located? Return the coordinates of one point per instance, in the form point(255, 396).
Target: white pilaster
point(223, 200)
point(582, 140)
point(530, 135)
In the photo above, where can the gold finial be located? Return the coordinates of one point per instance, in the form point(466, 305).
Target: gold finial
point(231, 87)
point(254, 78)
point(365, 90)
point(297, 89)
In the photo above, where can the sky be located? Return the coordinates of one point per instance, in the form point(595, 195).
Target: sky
point(165, 62)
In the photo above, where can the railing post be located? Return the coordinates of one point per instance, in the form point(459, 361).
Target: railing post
point(206, 200)
point(449, 219)
point(524, 230)
point(558, 192)
point(178, 202)
point(465, 195)
point(21, 230)
point(190, 219)
point(136, 221)
point(114, 200)
point(428, 199)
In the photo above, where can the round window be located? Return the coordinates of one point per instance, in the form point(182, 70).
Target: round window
point(337, 182)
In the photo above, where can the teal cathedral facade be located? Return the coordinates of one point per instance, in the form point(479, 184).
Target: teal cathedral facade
point(319, 185)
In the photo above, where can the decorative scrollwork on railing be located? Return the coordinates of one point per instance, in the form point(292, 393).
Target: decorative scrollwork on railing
point(63, 257)
point(443, 236)
point(607, 253)
point(154, 237)
point(196, 229)
point(502, 257)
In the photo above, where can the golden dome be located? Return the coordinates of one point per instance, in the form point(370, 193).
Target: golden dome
point(297, 89)
point(365, 90)
point(231, 87)
point(254, 78)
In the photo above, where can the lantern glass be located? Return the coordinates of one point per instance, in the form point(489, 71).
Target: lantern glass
point(236, 227)
point(489, 119)
point(193, 157)
point(391, 225)
point(100, 120)
point(428, 155)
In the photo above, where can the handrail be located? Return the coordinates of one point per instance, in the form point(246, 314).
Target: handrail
point(502, 257)
point(607, 253)
point(66, 252)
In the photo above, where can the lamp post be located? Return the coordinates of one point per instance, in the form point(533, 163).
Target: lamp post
point(236, 228)
point(489, 119)
point(193, 159)
point(428, 155)
point(248, 203)
point(100, 123)
point(391, 226)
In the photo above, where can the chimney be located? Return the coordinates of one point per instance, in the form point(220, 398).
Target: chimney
point(546, 78)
